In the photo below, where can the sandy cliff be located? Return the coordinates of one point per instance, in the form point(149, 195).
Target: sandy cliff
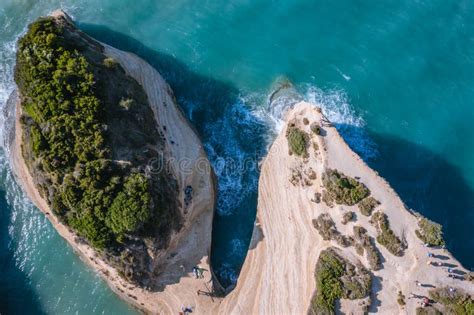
point(187, 160)
point(278, 274)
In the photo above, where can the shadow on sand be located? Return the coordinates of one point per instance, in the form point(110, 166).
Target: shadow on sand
point(428, 184)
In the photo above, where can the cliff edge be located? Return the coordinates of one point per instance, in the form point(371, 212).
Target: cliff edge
point(332, 236)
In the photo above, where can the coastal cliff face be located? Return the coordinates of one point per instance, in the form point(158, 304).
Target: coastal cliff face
point(332, 236)
point(99, 145)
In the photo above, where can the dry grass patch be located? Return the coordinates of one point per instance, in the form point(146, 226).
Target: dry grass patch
point(328, 231)
point(386, 237)
point(365, 243)
point(348, 217)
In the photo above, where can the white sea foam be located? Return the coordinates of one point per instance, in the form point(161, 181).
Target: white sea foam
point(337, 108)
point(232, 152)
point(335, 105)
point(250, 116)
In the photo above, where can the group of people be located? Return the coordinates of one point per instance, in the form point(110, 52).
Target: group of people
point(424, 300)
point(198, 274)
point(185, 310)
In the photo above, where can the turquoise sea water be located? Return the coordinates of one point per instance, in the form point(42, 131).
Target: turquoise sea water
point(397, 77)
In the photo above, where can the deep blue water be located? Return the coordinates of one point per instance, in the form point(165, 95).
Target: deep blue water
point(397, 77)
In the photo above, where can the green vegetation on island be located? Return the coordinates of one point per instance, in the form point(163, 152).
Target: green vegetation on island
point(343, 189)
point(430, 232)
point(365, 243)
point(454, 301)
point(386, 237)
point(86, 150)
point(297, 140)
point(337, 278)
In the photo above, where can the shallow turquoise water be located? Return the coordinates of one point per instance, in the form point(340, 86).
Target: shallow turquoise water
point(396, 76)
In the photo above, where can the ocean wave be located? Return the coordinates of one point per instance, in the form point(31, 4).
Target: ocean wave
point(236, 142)
point(334, 104)
point(350, 124)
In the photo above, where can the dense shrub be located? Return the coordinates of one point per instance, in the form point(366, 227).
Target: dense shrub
point(109, 62)
point(329, 269)
point(356, 281)
point(337, 278)
point(367, 205)
point(325, 226)
point(469, 276)
point(386, 237)
point(427, 310)
point(455, 302)
point(430, 232)
point(130, 209)
point(297, 141)
point(76, 129)
point(327, 198)
point(343, 189)
point(126, 103)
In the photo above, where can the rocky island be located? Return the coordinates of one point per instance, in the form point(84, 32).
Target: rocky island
point(98, 146)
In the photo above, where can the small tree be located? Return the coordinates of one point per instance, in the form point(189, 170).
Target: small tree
point(297, 141)
point(109, 62)
point(131, 208)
